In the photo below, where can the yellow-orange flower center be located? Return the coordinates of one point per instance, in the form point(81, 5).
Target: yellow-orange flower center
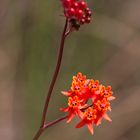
point(73, 102)
point(103, 105)
point(78, 82)
point(93, 85)
point(106, 91)
point(90, 114)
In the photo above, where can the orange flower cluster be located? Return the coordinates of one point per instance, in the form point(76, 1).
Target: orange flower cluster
point(88, 100)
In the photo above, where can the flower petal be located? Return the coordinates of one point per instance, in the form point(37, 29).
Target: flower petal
point(83, 106)
point(66, 93)
point(90, 127)
point(109, 108)
point(98, 122)
point(87, 82)
point(80, 114)
point(107, 117)
point(80, 124)
point(111, 98)
point(66, 109)
point(70, 117)
point(93, 98)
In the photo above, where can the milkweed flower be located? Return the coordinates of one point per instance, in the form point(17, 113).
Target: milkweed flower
point(83, 90)
point(74, 107)
point(89, 118)
point(77, 12)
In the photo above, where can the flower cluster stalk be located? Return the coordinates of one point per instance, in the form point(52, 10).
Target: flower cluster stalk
point(43, 125)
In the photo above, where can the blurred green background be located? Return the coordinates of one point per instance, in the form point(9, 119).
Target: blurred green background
point(107, 49)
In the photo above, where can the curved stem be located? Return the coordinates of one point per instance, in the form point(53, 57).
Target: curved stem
point(59, 59)
point(55, 74)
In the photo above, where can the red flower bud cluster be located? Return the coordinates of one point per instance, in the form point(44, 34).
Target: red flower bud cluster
point(77, 12)
point(88, 100)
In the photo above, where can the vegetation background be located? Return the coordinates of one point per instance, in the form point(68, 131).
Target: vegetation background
point(108, 49)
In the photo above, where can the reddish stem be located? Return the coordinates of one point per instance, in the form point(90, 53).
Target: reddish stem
point(38, 134)
point(41, 130)
point(54, 122)
point(55, 75)
point(64, 35)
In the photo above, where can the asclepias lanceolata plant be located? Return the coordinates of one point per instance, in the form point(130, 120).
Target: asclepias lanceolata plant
point(87, 98)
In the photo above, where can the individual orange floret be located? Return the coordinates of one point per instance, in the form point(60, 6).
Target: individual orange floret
point(74, 106)
point(74, 102)
point(79, 78)
point(76, 87)
point(88, 119)
point(78, 83)
point(93, 85)
point(106, 92)
point(93, 89)
point(102, 106)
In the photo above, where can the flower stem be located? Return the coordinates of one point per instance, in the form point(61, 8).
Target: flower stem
point(38, 134)
point(40, 131)
point(55, 121)
point(55, 75)
point(59, 59)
